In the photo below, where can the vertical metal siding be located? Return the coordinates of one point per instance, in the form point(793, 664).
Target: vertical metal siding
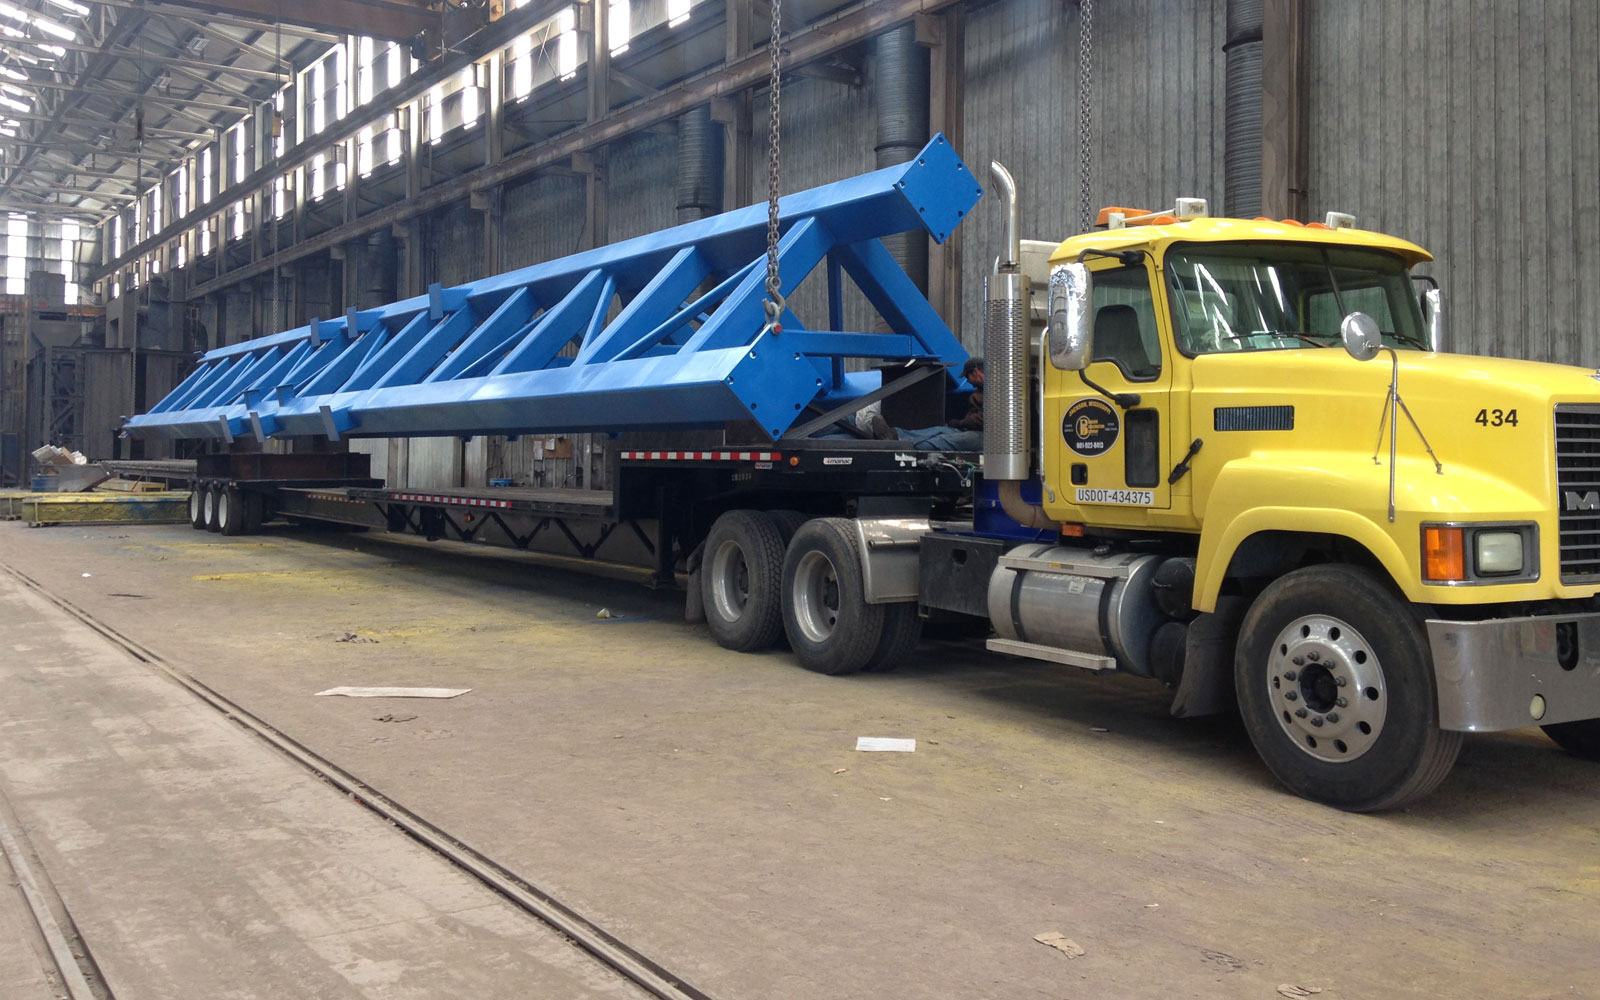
point(1470, 128)
point(641, 185)
point(1157, 99)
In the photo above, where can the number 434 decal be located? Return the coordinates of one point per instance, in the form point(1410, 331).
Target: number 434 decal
point(1496, 418)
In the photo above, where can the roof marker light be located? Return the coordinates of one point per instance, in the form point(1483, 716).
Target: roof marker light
point(1340, 220)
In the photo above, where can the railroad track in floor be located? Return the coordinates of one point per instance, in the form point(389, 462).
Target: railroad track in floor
point(604, 947)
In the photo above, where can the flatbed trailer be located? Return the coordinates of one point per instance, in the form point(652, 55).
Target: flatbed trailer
point(665, 501)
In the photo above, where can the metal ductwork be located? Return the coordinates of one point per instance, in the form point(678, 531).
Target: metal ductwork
point(1241, 154)
point(1005, 348)
point(700, 159)
point(901, 89)
point(377, 267)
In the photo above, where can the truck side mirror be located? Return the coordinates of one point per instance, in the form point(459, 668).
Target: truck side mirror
point(1433, 316)
point(1361, 336)
point(1071, 331)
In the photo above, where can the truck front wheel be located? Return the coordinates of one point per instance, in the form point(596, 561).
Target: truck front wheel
point(741, 580)
point(1336, 690)
point(831, 627)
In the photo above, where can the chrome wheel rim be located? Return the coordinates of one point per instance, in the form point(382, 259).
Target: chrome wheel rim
point(222, 512)
point(730, 581)
point(816, 597)
point(1326, 688)
point(194, 505)
point(211, 505)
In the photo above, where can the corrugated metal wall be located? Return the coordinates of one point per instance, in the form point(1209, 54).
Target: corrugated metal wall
point(1471, 128)
point(1157, 90)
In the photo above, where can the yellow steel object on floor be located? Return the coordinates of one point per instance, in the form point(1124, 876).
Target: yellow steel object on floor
point(41, 509)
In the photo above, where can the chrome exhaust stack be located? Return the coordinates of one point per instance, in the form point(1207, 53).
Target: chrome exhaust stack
point(1005, 348)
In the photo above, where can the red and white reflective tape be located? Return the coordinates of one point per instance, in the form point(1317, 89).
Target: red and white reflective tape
point(453, 501)
point(704, 456)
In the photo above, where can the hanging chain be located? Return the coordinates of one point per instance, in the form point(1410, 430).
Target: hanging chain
point(1085, 106)
point(774, 303)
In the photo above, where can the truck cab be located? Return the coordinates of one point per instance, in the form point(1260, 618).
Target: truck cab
point(1265, 475)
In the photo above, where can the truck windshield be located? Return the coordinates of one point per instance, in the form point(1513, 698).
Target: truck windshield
point(1272, 296)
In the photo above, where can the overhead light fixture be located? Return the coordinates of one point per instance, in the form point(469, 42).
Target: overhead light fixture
point(13, 74)
point(8, 132)
point(12, 102)
point(12, 88)
point(198, 44)
point(72, 5)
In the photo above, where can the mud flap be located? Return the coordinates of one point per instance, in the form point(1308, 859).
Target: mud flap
point(1206, 687)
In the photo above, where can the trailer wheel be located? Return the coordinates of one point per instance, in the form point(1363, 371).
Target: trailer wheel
point(1581, 739)
point(740, 577)
point(902, 629)
point(1337, 692)
point(831, 627)
point(212, 504)
point(197, 507)
point(231, 516)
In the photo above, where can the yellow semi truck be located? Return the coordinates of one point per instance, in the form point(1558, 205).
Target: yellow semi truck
point(1263, 478)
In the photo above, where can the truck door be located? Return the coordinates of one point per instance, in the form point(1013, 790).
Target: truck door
point(1111, 462)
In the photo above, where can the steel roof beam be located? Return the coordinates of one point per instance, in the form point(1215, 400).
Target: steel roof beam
point(170, 11)
point(380, 18)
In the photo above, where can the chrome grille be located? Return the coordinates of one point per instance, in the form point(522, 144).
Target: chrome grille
point(1578, 476)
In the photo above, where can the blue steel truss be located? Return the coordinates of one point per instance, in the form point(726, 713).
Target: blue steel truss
point(661, 331)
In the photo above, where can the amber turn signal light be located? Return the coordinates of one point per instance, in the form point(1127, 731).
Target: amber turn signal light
point(1443, 555)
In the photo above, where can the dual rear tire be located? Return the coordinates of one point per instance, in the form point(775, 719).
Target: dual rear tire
point(766, 574)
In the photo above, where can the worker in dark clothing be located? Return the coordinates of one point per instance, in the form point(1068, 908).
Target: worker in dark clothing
point(972, 420)
point(964, 433)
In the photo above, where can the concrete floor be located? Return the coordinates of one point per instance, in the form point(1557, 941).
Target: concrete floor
point(685, 798)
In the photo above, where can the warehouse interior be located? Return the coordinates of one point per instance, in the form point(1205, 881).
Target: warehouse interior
point(616, 806)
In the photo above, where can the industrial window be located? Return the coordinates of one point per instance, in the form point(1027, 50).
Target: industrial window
point(238, 219)
point(205, 236)
point(238, 135)
point(469, 96)
point(677, 12)
point(70, 234)
point(179, 186)
point(548, 52)
point(280, 196)
point(325, 84)
point(16, 254)
point(435, 104)
point(207, 174)
point(618, 29)
point(374, 144)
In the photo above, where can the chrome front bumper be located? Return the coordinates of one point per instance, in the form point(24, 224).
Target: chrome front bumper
point(1506, 673)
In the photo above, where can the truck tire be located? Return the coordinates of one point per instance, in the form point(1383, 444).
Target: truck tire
point(231, 517)
point(902, 628)
point(788, 522)
point(211, 507)
point(1336, 689)
point(741, 580)
point(831, 627)
point(1581, 739)
point(197, 507)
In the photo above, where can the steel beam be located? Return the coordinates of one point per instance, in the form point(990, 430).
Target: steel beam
point(491, 357)
point(387, 19)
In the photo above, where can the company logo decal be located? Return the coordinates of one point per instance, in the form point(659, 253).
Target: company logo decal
point(1582, 501)
point(1091, 427)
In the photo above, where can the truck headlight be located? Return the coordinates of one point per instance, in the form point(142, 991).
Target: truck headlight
point(1457, 554)
point(1499, 553)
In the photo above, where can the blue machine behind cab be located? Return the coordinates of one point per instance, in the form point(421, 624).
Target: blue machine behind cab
point(492, 356)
